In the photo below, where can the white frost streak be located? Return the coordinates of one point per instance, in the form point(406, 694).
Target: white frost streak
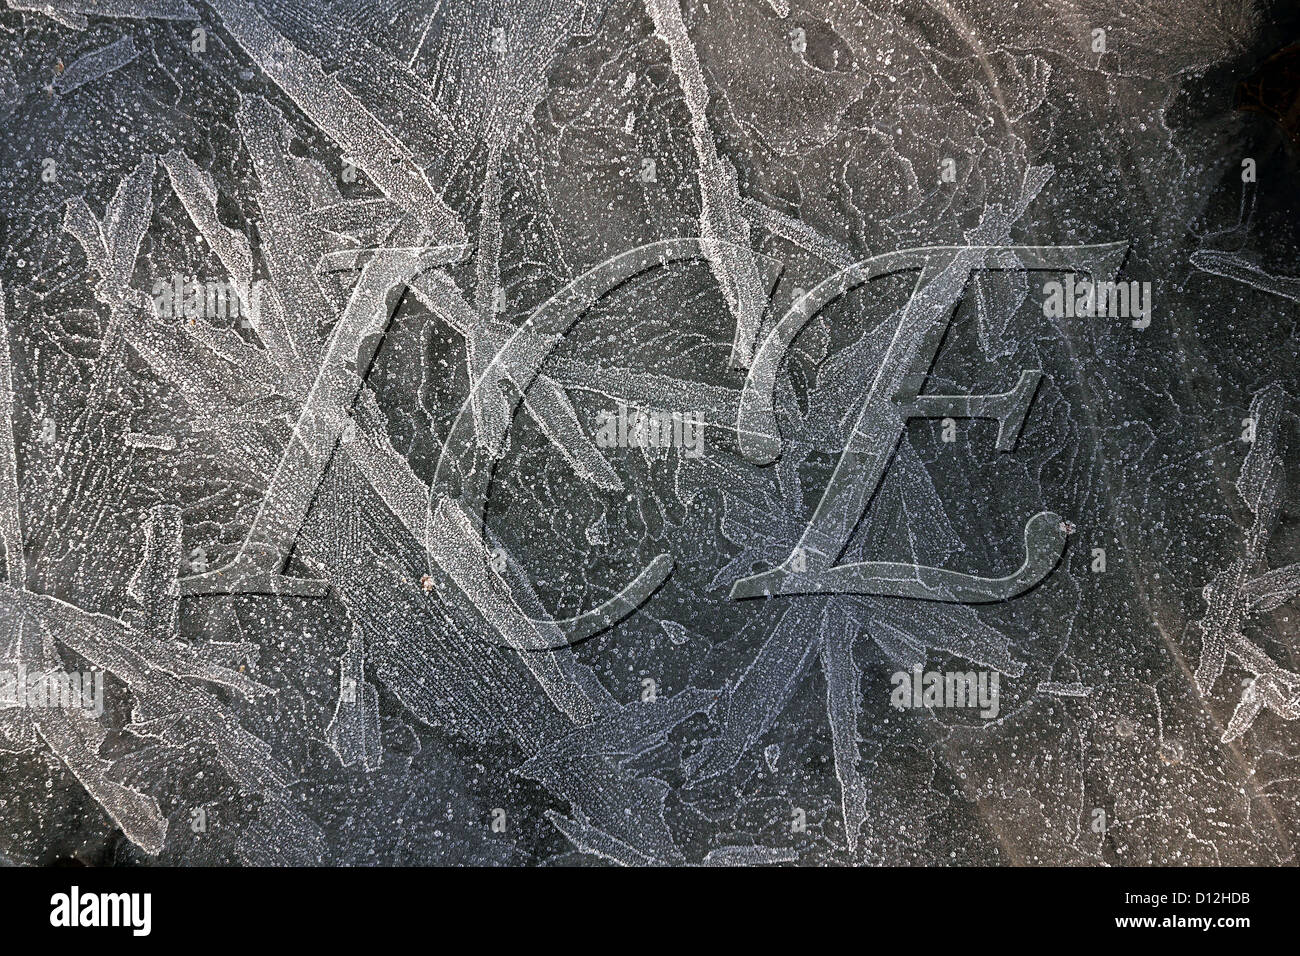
point(354, 733)
point(99, 63)
point(72, 13)
point(843, 701)
point(545, 401)
point(11, 533)
point(365, 141)
point(1234, 266)
point(199, 197)
point(1232, 596)
point(721, 217)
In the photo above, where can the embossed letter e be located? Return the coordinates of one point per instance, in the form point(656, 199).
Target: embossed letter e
point(893, 398)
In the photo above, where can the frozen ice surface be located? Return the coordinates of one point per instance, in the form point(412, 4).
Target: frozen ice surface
point(539, 432)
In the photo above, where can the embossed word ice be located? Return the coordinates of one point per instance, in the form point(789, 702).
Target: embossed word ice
point(454, 536)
